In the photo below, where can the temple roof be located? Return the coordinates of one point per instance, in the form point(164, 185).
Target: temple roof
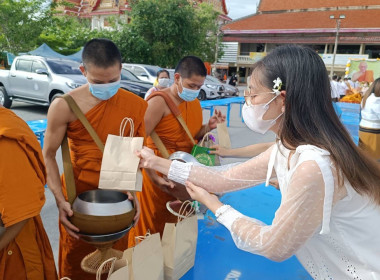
point(276, 5)
point(278, 18)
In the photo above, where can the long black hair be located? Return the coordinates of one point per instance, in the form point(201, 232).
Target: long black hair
point(310, 118)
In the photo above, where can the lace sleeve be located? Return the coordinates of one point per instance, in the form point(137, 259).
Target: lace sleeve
point(297, 219)
point(217, 180)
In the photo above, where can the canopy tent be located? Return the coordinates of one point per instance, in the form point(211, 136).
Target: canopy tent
point(76, 56)
point(45, 51)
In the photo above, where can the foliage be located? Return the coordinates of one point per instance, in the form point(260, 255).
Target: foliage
point(21, 22)
point(67, 35)
point(161, 32)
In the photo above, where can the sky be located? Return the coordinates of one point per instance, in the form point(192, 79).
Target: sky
point(241, 8)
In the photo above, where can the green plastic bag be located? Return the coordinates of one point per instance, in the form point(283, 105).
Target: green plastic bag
point(200, 151)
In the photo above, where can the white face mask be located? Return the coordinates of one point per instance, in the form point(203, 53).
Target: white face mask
point(253, 117)
point(163, 82)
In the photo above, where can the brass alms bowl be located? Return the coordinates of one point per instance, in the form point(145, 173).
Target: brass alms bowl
point(102, 212)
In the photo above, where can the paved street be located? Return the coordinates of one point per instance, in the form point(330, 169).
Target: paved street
point(239, 133)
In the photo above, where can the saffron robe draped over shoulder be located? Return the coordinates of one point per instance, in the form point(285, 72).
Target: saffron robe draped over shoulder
point(154, 214)
point(86, 158)
point(22, 179)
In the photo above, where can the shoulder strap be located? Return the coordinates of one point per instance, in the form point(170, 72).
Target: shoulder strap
point(79, 114)
point(68, 171)
point(175, 110)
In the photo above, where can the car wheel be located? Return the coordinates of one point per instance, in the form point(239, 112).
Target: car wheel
point(56, 96)
point(202, 95)
point(4, 98)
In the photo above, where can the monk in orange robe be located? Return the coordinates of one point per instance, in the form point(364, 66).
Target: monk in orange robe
point(25, 251)
point(189, 76)
point(363, 75)
point(105, 106)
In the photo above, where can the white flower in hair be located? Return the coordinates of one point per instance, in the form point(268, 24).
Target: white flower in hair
point(277, 85)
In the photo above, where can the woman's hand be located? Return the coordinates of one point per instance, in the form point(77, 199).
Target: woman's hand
point(220, 151)
point(215, 119)
point(211, 201)
point(147, 157)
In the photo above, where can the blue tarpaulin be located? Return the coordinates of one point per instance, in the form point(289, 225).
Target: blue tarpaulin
point(76, 56)
point(45, 51)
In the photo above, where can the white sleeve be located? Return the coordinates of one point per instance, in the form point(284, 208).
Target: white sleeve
point(297, 219)
point(215, 180)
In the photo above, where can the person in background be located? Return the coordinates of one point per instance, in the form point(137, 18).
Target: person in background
point(233, 80)
point(342, 87)
point(105, 105)
point(334, 89)
point(329, 214)
point(162, 80)
point(25, 251)
point(369, 127)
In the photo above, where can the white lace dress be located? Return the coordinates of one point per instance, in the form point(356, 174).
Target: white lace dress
point(334, 232)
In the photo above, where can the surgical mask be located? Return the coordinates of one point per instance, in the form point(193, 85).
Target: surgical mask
point(164, 82)
point(188, 94)
point(104, 91)
point(253, 117)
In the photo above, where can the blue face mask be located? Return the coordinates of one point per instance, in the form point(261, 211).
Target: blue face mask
point(104, 91)
point(188, 94)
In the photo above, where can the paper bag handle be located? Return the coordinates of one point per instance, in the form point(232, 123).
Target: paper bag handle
point(141, 238)
point(207, 135)
point(100, 269)
point(123, 125)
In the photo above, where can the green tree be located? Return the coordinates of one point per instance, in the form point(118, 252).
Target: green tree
point(21, 22)
point(161, 32)
point(67, 34)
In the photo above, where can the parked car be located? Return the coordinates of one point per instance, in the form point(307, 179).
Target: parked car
point(133, 84)
point(229, 90)
point(142, 71)
point(38, 80)
point(211, 89)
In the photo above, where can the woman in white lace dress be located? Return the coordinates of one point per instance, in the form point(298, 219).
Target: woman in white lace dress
point(329, 215)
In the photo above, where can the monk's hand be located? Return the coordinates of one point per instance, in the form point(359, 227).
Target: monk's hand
point(146, 156)
point(211, 201)
point(218, 117)
point(65, 211)
point(132, 196)
point(164, 184)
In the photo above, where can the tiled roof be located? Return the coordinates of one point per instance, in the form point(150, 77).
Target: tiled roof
point(306, 22)
point(275, 5)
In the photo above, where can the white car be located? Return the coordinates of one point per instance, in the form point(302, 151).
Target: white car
point(144, 72)
point(38, 80)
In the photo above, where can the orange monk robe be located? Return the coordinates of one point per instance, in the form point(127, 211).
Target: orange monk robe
point(86, 158)
point(154, 214)
point(22, 179)
point(366, 77)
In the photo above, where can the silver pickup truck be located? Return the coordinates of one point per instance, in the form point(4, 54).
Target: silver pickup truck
point(38, 80)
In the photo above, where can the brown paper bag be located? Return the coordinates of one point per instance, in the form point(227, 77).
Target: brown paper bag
point(223, 136)
point(116, 271)
point(146, 259)
point(119, 170)
point(179, 243)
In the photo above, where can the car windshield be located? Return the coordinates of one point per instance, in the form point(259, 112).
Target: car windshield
point(129, 76)
point(64, 67)
point(152, 70)
point(213, 79)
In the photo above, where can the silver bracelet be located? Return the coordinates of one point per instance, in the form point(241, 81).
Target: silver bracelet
point(221, 210)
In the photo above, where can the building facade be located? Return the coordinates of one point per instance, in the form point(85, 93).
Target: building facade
point(313, 23)
point(100, 11)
